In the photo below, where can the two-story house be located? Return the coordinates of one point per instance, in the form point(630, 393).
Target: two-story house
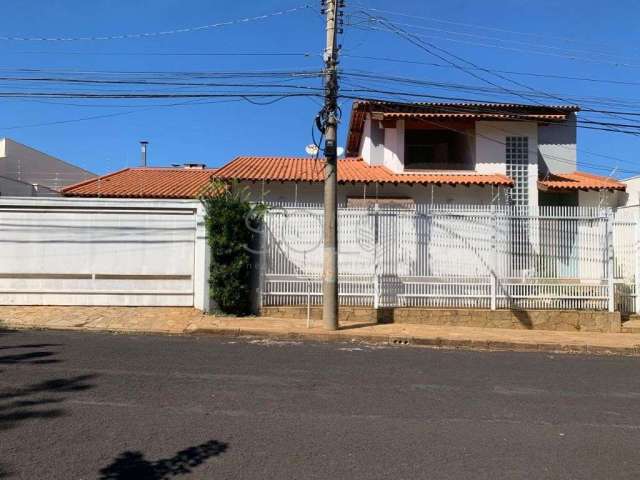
point(440, 153)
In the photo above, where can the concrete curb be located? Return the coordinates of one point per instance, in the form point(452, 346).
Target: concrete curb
point(345, 337)
point(459, 344)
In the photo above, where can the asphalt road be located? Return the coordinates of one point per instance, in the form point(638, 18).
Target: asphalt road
point(101, 406)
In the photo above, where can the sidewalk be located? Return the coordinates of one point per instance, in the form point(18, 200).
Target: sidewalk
point(169, 320)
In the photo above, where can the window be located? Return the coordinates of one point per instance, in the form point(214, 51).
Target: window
point(431, 149)
point(517, 157)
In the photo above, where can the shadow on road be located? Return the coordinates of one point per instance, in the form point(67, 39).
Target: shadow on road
point(34, 358)
point(36, 401)
point(26, 402)
point(133, 466)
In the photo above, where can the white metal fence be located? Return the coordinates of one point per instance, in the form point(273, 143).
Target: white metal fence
point(457, 256)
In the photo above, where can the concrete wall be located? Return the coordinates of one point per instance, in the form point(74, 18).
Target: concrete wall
point(67, 251)
point(555, 320)
point(557, 147)
point(26, 164)
point(491, 150)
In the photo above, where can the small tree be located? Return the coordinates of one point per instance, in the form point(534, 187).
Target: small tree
point(232, 224)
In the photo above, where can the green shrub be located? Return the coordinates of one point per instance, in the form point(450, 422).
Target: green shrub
point(232, 224)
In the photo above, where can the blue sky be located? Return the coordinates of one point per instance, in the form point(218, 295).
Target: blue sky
point(588, 39)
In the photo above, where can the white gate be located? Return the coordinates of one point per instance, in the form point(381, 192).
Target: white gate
point(101, 252)
point(446, 256)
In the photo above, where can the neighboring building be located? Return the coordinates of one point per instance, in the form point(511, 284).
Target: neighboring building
point(15, 188)
point(146, 182)
point(444, 153)
point(29, 172)
point(631, 197)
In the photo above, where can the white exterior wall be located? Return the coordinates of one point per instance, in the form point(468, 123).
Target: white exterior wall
point(67, 251)
point(491, 150)
point(394, 147)
point(372, 146)
point(28, 165)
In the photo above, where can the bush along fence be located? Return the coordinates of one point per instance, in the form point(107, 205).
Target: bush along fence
point(492, 257)
point(233, 224)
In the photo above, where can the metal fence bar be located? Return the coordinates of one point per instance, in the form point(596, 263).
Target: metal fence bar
point(475, 256)
point(610, 264)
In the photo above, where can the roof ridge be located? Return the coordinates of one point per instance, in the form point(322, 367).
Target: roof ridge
point(178, 169)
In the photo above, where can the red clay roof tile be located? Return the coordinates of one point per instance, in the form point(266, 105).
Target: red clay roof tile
point(350, 170)
point(147, 182)
point(579, 181)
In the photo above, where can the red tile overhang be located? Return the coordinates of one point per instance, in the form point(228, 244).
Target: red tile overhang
point(579, 181)
point(350, 170)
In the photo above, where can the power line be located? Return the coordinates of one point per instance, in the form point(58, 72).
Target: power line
point(510, 72)
point(414, 83)
point(504, 40)
point(127, 36)
point(483, 27)
point(515, 116)
point(428, 47)
point(513, 49)
point(176, 54)
point(115, 114)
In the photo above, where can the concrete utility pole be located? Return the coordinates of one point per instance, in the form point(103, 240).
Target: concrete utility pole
point(330, 271)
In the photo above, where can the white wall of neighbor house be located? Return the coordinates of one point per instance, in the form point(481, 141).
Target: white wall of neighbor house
point(632, 195)
point(29, 165)
point(313, 193)
point(71, 251)
point(491, 149)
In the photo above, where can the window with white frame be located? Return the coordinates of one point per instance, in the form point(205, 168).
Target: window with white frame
point(517, 157)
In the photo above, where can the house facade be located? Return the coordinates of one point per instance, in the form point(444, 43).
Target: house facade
point(437, 153)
